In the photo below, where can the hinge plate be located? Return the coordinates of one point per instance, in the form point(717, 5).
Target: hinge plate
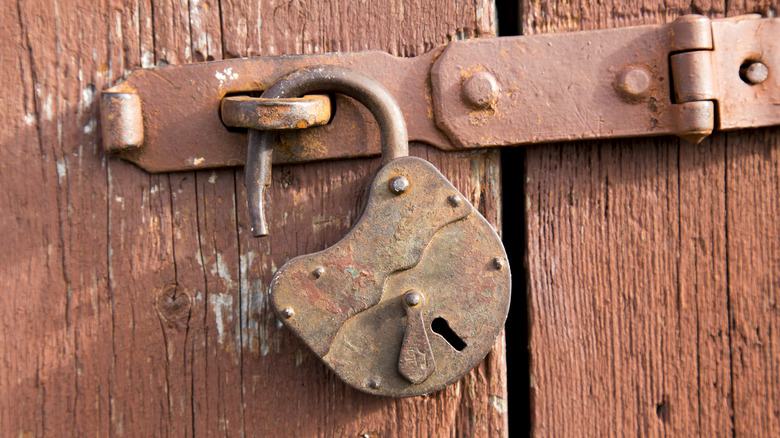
point(476, 93)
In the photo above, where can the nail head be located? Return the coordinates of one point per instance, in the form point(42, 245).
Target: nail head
point(399, 185)
point(412, 298)
point(480, 91)
point(754, 73)
point(633, 83)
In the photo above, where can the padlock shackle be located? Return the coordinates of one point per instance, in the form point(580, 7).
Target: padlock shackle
point(323, 78)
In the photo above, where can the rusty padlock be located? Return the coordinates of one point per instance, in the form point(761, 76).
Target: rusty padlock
point(414, 296)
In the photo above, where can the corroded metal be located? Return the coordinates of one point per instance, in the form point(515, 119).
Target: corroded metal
point(477, 93)
point(355, 316)
point(183, 130)
point(414, 223)
point(390, 236)
point(280, 114)
point(415, 360)
point(121, 120)
point(332, 78)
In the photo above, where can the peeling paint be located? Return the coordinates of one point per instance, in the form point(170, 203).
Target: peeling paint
point(225, 74)
point(147, 59)
point(48, 107)
point(90, 126)
point(499, 404)
point(220, 268)
point(62, 171)
point(222, 304)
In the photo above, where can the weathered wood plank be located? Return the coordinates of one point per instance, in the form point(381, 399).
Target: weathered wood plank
point(752, 203)
point(635, 300)
point(144, 308)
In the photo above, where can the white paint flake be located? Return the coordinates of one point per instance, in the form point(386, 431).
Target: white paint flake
point(221, 269)
point(90, 126)
point(147, 59)
point(197, 161)
point(48, 107)
point(499, 403)
point(225, 74)
point(62, 171)
point(222, 304)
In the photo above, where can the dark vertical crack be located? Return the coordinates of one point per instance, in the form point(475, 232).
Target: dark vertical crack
point(205, 305)
point(241, 310)
point(728, 280)
point(222, 30)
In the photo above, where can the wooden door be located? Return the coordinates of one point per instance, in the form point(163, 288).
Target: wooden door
point(135, 304)
point(652, 267)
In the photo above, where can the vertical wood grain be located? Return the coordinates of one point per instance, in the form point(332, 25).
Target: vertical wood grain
point(135, 304)
point(650, 263)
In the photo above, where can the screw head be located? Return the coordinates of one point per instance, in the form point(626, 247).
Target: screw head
point(317, 273)
point(455, 200)
point(480, 91)
point(399, 185)
point(412, 298)
point(754, 72)
point(374, 383)
point(633, 83)
point(288, 312)
point(498, 263)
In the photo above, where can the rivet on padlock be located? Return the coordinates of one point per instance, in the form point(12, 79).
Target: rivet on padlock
point(414, 296)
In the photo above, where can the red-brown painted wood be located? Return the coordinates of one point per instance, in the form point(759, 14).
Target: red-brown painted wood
point(653, 304)
point(135, 304)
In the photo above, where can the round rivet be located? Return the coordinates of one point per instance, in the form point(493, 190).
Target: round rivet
point(754, 72)
point(317, 273)
point(633, 83)
point(480, 91)
point(412, 298)
point(455, 200)
point(374, 383)
point(398, 185)
point(288, 312)
point(498, 263)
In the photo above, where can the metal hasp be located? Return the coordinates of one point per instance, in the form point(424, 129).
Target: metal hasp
point(369, 306)
point(467, 94)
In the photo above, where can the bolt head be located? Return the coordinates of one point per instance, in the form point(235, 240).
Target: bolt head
point(317, 273)
point(480, 91)
point(754, 72)
point(455, 200)
point(288, 312)
point(399, 185)
point(374, 383)
point(498, 263)
point(633, 83)
point(412, 298)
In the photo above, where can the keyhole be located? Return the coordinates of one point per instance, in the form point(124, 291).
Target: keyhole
point(441, 327)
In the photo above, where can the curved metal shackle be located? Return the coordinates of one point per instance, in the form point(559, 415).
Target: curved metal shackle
point(323, 78)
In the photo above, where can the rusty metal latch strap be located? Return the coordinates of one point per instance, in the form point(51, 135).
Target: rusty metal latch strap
point(686, 78)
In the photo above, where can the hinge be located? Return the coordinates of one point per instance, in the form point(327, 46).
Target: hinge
point(686, 78)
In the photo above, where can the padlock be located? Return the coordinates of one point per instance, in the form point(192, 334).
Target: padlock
point(416, 293)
